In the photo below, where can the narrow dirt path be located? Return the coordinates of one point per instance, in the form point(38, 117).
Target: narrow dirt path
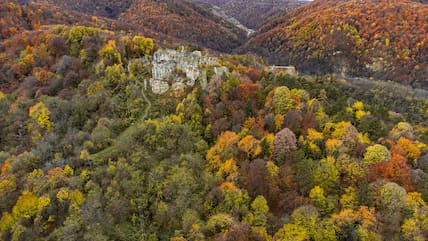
point(123, 139)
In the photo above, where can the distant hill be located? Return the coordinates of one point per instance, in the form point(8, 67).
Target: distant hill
point(255, 13)
point(16, 16)
point(379, 38)
point(111, 8)
point(187, 21)
point(190, 22)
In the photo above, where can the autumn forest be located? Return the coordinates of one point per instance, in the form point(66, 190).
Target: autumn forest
point(167, 121)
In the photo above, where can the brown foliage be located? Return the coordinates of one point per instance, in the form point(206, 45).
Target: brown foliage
point(284, 146)
point(240, 232)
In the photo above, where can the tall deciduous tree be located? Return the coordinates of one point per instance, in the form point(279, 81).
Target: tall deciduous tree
point(40, 113)
point(376, 154)
point(284, 146)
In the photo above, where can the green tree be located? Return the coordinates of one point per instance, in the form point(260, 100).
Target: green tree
point(115, 75)
point(258, 215)
point(376, 154)
point(219, 223)
point(304, 174)
point(390, 201)
point(324, 205)
point(76, 36)
point(326, 175)
point(306, 216)
point(325, 230)
point(282, 101)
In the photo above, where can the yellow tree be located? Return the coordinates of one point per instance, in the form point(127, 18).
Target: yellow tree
point(142, 46)
point(224, 149)
point(250, 145)
point(411, 151)
point(416, 226)
point(27, 206)
point(361, 224)
point(292, 232)
point(110, 54)
point(40, 113)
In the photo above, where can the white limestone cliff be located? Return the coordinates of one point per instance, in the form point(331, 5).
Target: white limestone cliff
point(177, 69)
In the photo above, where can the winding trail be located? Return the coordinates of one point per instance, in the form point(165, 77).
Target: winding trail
point(121, 142)
point(149, 106)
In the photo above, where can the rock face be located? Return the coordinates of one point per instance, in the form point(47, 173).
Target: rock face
point(221, 70)
point(291, 70)
point(177, 69)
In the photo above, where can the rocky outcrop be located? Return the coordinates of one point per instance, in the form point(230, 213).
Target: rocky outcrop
point(221, 70)
point(290, 70)
point(177, 69)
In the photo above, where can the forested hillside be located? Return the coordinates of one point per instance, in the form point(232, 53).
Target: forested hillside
point(377, 38)
point(87, 153)
point(381, 39)
point(181, 21)
point(231, 148)
point(16, 17)
point(105, 8)
point(187, 21)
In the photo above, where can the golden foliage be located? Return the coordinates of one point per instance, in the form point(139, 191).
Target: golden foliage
point(40, 113)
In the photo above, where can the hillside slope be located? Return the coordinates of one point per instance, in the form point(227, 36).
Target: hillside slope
point(103, 8)
point(384, 39)
point(16, 16)
point(87, 153)
point(187, 21)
